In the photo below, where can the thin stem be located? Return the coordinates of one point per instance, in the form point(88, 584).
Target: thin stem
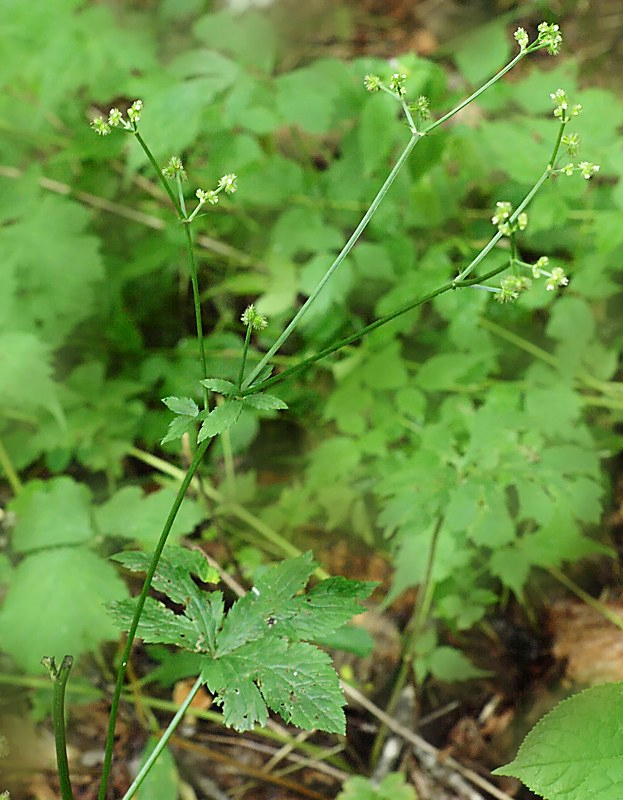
point(415, 137)
point(9, 470)
point(114, 707)
point(496, 238)
point(162, 743)
point(158, 171)
point(180, 194)
point(197, 303)
point(595, 604)
point(476, 94)
point(332, 348)
point(60, 677)
point(245, 350)
point(414, 631)
point(554, 154)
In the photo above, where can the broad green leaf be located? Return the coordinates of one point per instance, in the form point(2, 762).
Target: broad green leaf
point(392, 787)
point(265, 402)
point(220, 419)
point(132, 514)
point(26, 382)
point(449, 664)
point(51, 513)
point(249, 38)
point(378, 129)
point(576, 750)
point(47, 294)
point(483, 51)
point(162, 781)
point(181, 405)
point(55, 606)
point(226, 388)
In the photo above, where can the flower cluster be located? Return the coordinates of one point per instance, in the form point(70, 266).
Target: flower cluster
point(549, 37)
point(521, 38)
point(502, 218)
point(228, 184)
point(373, 83)
point(555, 277)
point(252, 319)
point(174, 169)
point(421, 107)
point(116, 119)
point(561, 110)
point(586, 169)
point(397, 84)
point(511, 287)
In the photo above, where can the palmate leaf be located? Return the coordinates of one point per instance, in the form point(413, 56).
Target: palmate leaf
point(254, 659)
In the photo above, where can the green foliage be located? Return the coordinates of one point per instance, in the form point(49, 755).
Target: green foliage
point(576, 749)
point(392, 787)
point(257, 655)
point(495, 419)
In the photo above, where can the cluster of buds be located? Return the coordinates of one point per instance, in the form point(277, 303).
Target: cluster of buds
point(555, 277)
point(252, 319)
point(549, 36)
point(502, 219)
point(228, 184)
point(116, 119)
point(561, 106)
point(511, 287)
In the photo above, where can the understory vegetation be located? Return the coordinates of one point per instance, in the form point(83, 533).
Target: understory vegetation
point(448, 399)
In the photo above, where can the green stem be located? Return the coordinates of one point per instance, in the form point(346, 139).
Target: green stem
point(60, 677)
point(476, 94)
point(332, 348)
point(342, 255)
point(114, 707)
point(554, 154)
point(197, 303)
point(158, 171)
point(414, 631)
point(513, 217)
point(9, 470)
point(245, 350)
point(162, 743)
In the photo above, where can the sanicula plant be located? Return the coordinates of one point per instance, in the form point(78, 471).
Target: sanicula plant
point(260, 654)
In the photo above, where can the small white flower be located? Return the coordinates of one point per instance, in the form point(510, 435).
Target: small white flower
point(522, 38)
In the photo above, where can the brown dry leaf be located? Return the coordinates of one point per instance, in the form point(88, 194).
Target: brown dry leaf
point(31, 750)
point(591, 645)
point(201, 701)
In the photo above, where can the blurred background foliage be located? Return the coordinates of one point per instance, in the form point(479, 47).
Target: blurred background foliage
point(502, 420)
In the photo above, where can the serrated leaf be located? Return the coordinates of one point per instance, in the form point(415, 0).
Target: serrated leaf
point(162, 780)
point(226, 388)
point(55, 606)
point(328, 606)
point(181, 405)
point(158, 624)
point(450, 664)
point(132, 514)
point(203, 613)
point(576, 750)
point(265, 402)
point(177, 428)
point(51, 513)
point(220, 419)
point(254, 659)
point(392, 787)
